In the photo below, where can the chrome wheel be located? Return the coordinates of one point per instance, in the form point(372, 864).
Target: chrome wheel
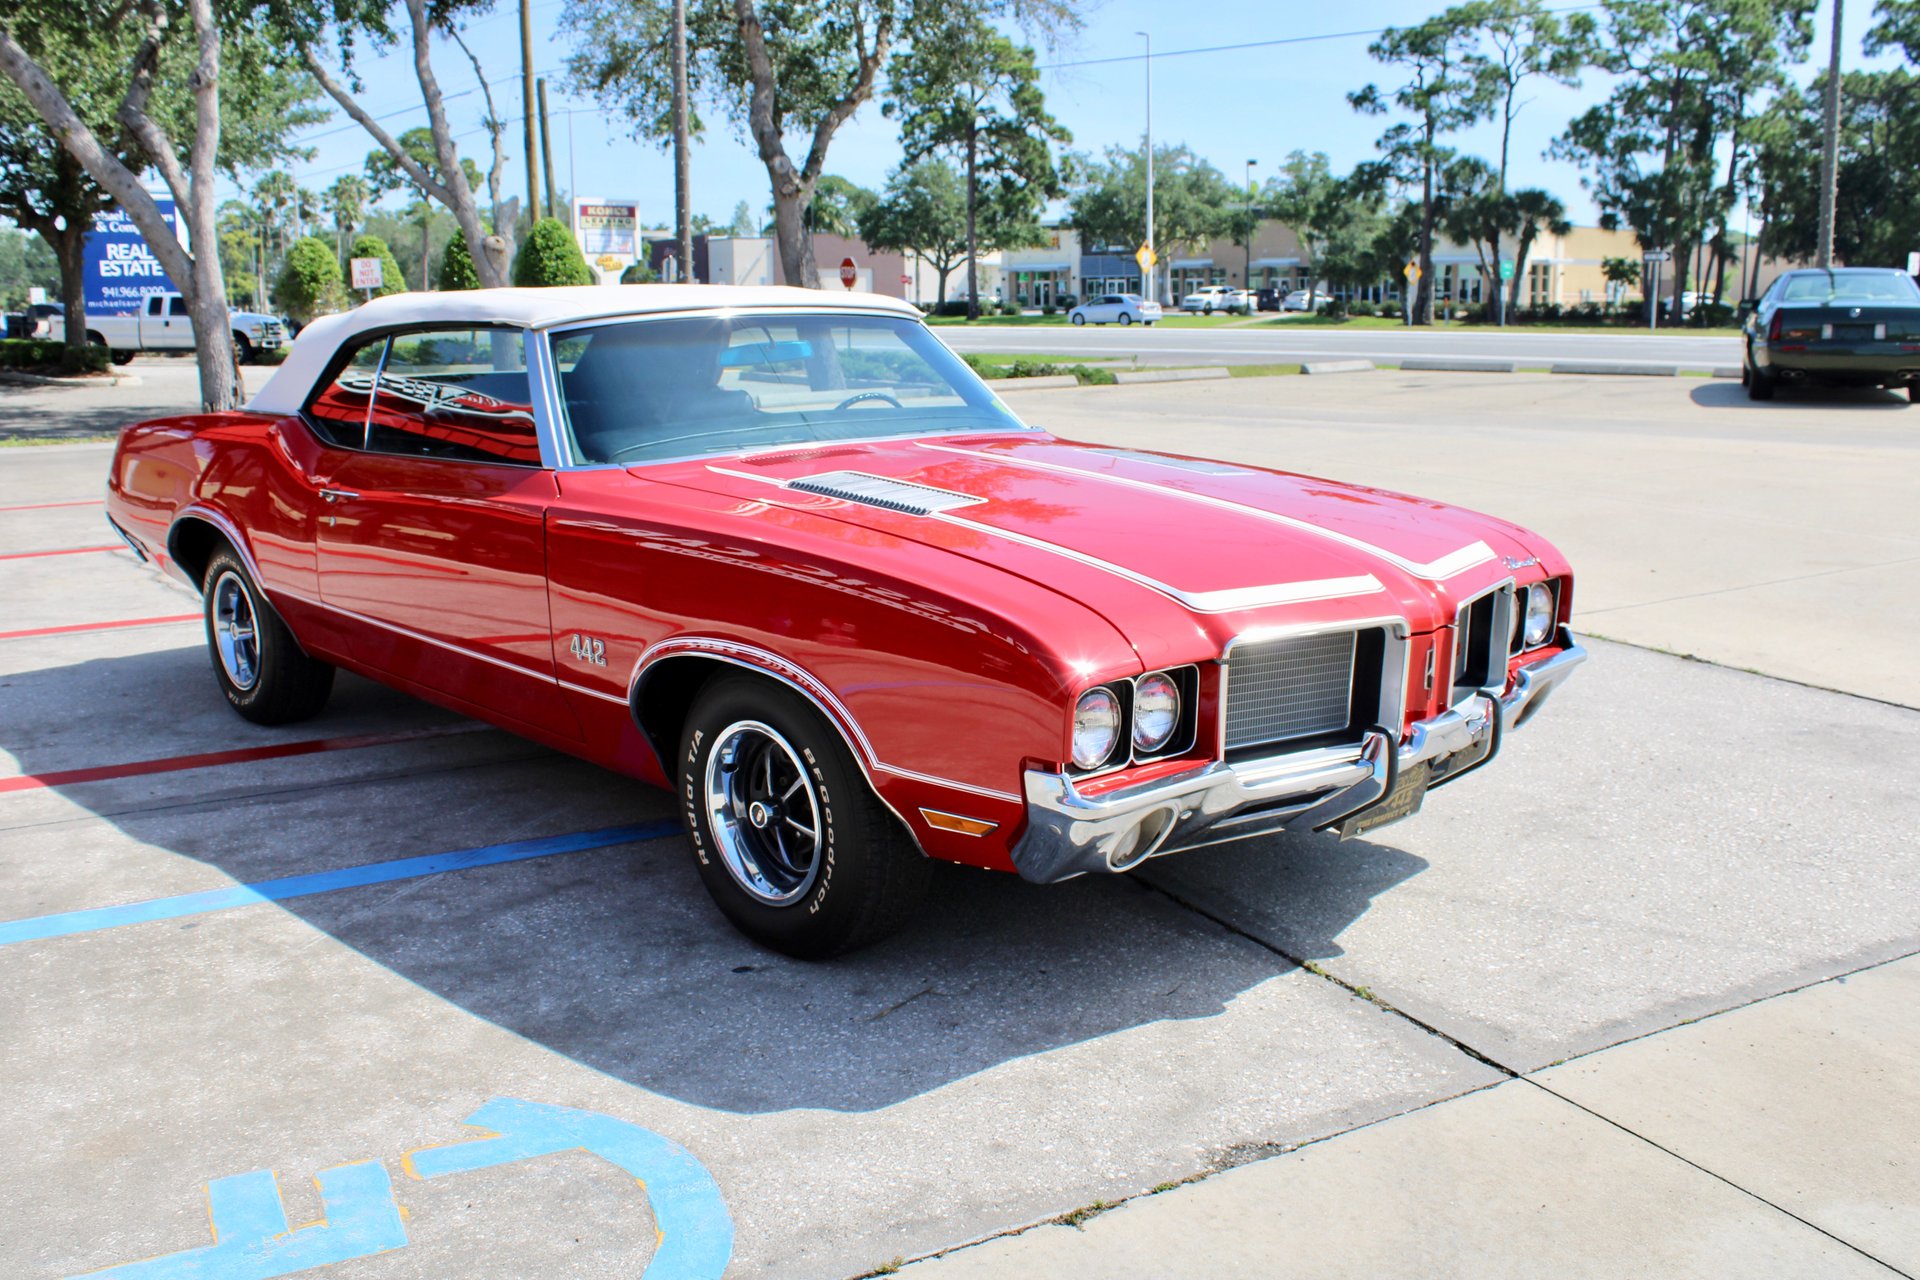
point(764, 813)
point(235, 631)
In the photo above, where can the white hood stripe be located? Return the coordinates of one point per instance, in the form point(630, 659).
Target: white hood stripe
point(1227, 600)
point(1454, 562)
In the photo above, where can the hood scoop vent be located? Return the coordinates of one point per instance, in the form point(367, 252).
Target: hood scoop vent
point(883, 492)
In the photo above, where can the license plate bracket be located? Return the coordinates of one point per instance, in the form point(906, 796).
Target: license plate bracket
point(1409, 791)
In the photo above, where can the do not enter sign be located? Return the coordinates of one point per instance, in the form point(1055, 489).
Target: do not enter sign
point(848, 272)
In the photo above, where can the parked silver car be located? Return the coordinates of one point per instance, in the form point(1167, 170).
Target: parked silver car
point(1301, 300)
point(1115, 308)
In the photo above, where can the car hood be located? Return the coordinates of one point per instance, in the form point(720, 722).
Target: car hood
point(1155, 542)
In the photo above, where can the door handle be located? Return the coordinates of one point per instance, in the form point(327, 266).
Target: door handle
point(338, 495)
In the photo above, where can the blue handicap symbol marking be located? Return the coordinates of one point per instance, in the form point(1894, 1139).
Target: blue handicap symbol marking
point(696, 1232)
point(252, 1240)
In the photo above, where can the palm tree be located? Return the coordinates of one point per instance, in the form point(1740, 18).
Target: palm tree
point(1535, 210)
point(274, 196)
point(346, 200)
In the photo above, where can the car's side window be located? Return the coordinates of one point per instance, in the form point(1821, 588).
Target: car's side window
point(461, 394)
point(339, 411)
point(176, 306)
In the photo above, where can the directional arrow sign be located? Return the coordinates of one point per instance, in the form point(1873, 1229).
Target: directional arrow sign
point(696, 1232)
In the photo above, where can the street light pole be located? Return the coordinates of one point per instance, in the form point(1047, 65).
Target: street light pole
point(1147, 282)
point(1246, 278)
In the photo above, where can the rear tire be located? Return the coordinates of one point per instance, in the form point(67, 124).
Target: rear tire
point(1126, 318)
point(1761, 384)
point(264, 673)
point(1079, 319)
point(797, 851)
point(1913, 393)
point(242, 349)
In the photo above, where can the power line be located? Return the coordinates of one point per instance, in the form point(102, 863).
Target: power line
point(1252, 44)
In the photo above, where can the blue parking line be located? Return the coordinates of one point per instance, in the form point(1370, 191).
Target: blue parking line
point(36, 928)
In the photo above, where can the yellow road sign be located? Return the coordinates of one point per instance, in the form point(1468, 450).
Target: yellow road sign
point(1146, 257)
point(1412, 271)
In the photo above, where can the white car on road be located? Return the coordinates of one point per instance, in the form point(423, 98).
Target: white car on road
point(1209, 298)
point(1115, 308)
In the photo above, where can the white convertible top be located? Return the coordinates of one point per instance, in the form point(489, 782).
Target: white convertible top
point(287, 389)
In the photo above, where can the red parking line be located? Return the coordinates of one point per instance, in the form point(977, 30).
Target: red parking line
point(49, 506)
point(64, 551)
point(97, 626)
point(241, 755)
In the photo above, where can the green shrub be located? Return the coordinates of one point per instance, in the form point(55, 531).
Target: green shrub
point(550, 257)
point(391, 279)
point(639, 273)
point(1007, 308)
point(1362, 308)
point(310, 283)
point(38, 355)
point(456, 265)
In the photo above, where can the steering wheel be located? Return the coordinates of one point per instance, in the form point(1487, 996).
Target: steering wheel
point(856, 398)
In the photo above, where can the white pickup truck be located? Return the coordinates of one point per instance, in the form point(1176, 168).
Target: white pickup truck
point(162, 324)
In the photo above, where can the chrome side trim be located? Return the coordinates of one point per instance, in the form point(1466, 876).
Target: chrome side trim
point(424, 638)
point(1447, 566)
point(601, 694)
point(225, 526)
point(764, 661)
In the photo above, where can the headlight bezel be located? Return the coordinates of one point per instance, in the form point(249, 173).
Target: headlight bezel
point(1126, 751)
point(1530, 638)
point(1157, 743)
point(1087, 762)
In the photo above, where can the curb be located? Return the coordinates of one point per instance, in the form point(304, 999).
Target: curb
point(1171, 375)
point(1045, 383)
point(1337, 366)
point(1628, 370)
point(1431, 364)
point(1724, 371)
point(23, 379)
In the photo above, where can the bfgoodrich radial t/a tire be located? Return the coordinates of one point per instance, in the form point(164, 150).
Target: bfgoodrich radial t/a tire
point(793, 845)
point(264, 673)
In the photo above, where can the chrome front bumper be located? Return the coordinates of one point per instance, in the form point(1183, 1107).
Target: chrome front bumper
point(1070, 834)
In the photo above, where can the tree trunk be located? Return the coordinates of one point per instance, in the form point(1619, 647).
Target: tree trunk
point(790, 234)
point(973, 238)
point(1423, 294)
point(70, 251)
point(940, 302)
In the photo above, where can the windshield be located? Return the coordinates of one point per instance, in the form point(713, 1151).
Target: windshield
point(644, 390)
point(1851, 286)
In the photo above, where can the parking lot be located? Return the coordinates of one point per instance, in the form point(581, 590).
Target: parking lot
point(1656, 968)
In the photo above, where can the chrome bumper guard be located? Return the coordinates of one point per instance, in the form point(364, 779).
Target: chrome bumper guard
point(1069, 834)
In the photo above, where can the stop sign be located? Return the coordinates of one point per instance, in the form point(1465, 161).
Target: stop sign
point(848, 273)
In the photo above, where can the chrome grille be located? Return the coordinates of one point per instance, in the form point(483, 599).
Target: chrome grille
point(1294, 687)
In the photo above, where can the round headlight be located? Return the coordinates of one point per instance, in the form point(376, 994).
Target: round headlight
point(1539, 614)
point(1096, 727)
point(1156, 711)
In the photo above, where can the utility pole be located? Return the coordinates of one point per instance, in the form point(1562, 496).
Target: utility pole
point(526, 109)
point(546, 151)
point(1147, 282)
point(1830, 149)
point(682, 157)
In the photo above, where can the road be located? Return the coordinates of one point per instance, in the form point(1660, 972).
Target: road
point(1255, 344)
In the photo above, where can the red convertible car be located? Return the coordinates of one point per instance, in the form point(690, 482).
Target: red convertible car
point(783, 553)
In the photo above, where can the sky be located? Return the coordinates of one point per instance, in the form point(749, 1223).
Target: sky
point(1231, 105)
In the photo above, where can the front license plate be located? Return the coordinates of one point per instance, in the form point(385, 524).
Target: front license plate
point(1409, 789)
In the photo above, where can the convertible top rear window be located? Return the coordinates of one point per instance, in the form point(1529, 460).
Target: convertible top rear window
point(645, 390)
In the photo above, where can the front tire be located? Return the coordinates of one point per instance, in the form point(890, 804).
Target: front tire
point(264, 673)
point(797, 851)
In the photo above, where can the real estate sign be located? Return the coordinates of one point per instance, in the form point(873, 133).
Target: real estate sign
point(120, 269)
point(608, 232)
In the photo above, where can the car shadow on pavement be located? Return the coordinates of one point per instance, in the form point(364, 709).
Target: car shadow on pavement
point(1728, 394)
point(616, 957)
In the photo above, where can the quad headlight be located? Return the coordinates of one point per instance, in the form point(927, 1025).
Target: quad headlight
point(1540, 615)
point(1156, 711)
point(1096, 727)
